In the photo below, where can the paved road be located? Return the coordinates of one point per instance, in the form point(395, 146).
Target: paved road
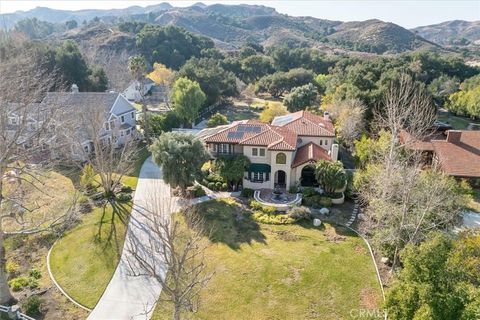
point(133, 297)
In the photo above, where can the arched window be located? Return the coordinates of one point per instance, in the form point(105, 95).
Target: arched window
point(281, 158)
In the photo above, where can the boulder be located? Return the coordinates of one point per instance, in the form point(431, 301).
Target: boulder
point(385, 260)
point(317, 222)
point(324, 211)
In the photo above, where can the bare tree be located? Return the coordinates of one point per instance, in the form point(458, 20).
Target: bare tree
point(349, 117)
point(173, 254)
point(405, 202)
point(27, 140)
point(90, 137)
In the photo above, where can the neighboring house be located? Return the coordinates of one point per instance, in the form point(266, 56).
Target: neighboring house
point(115, 115)
point(134, 92)
point(456, 152)
point(282, 153)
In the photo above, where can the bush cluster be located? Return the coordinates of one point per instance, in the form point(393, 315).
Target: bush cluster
point(317, 201)
point(31, 306)
point(247, 193)
point(19, 283)
point(195, 191)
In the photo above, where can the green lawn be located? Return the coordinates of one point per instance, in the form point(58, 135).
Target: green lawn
point(84, 259)
point(459, 123)
point(281, 272)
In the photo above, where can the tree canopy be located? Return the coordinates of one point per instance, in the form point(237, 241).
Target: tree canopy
point(301, 98)
point(217, 119)
point(331, 176)
point(170, 45)
point(466, 101)
point(436, 281)
point(180, 156)
point(214, 81)
point(187, 98)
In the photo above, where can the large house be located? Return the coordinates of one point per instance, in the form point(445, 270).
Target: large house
point(282, 153)
point(456, 152)
point(116, 115)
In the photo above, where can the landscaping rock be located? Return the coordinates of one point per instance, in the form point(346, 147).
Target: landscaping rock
point(317, 222)
point(385, 260)
point(361, 216)
point(324, 211)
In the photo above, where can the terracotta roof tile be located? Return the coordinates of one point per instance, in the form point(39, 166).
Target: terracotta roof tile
point(459, 157)
point(305, 123)
point(310, 152)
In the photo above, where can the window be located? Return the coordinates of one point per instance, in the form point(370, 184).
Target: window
point(254, 152)
point(321, 142)
point(13, 120)
point(262, 152)
point(281, 158)
point(326, 142)
point(122, 133)
point(112, 125)
point(133, 115)
point(224, 148)
point(85, 148)
point(123, 119)
point(128, 132)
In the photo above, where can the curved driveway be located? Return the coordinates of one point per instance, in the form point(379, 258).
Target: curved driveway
point(126, 296)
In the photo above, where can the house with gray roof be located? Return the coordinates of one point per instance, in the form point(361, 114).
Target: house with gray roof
point(116, 115)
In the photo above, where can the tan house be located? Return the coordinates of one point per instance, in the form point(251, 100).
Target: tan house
point(282, 153)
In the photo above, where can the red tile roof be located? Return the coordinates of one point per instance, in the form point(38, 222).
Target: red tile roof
point(305, 123)
point(310, 153)
point(459, 155)
point(420, 145)
point(274, 138)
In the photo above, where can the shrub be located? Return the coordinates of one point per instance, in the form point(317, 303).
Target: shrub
point(263, 217)
point(12, 267)
point(218, 185)
point(317, 201)
point(126, 189)
point(87, 178)
point(293, 189)
point(196, 191)
point(35, 273)
point(31, 306)
point(299, 213)
point(224, 187)
point(336, 195)
point(213, 177)
point(84, 204)
point(124, 197)
point(247, 193)
point(255, 205)
point(309, 192)
point(211, 185)
point(19, 283)
point(32, 283)
point(217, 119)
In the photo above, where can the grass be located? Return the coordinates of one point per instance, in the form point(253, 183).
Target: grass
point(85, 258)
point(458, 123)
point(281, 271)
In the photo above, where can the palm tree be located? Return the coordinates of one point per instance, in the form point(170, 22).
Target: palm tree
point(138, 69)
point(330, 175)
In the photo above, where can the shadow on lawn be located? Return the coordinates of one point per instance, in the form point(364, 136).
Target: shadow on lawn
point(339, 229)
point(107, 227)
point(227, 222)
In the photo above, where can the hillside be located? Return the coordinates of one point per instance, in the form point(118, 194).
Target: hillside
point(377, 36)
point(451, 32)
point(232, 25)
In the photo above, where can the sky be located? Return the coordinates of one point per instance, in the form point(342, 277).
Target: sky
point(407, 13)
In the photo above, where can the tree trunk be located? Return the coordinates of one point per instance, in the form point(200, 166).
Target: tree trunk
point(146, 124)
point(176, 312)
point(5, 295)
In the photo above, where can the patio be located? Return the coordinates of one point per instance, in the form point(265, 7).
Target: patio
point(278, 198)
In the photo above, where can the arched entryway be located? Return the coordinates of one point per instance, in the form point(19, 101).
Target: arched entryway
point(280, 179)
point(307, 178)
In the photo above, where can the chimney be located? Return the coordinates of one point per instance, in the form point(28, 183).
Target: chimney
point(334, 152)
point(74, 88)
point(326, 115)
point(453, 136)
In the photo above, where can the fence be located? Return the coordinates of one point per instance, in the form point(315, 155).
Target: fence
point(16, 314)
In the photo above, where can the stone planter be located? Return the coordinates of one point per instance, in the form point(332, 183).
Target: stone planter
point(339, 200)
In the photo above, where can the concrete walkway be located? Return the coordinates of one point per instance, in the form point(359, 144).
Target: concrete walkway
point(126, 296)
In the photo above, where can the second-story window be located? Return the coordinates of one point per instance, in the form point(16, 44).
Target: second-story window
point(107, 126)
point(281, 158)
point(123, 119)
point(262, 152)
point(326, 142)
point(133, 115)
point(254, 152)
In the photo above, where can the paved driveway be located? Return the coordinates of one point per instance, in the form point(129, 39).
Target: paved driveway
point(134, 297)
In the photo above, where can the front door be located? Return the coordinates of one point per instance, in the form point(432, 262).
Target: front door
point(280, 179)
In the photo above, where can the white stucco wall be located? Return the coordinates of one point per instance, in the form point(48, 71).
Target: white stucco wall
point(316, 140)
